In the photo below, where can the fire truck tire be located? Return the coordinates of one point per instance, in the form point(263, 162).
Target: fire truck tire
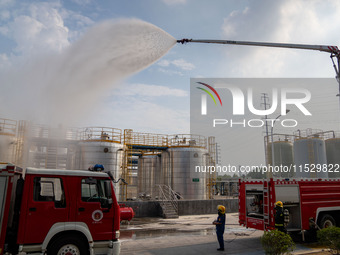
point(327, 221)
point(68, 245)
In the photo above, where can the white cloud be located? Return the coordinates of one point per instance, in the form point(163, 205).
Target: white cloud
point(174, 2)
point(170, 72)
point(146, 90)
point(179, 63)
point(304, 22)
point(37, 28)
point(163, 62)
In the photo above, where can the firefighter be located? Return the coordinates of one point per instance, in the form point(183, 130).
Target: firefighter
point(279, 217)
point(220, 224)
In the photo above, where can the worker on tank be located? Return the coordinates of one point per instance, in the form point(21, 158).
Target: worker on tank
point(279, 217)
point(220, 224)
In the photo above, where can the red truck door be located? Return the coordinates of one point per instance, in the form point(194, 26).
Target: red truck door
point(46, 205)
point(95, 208)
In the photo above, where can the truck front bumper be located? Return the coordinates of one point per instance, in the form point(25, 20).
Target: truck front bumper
point(106, 247)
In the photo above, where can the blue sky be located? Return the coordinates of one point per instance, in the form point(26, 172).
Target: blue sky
point(157, 99)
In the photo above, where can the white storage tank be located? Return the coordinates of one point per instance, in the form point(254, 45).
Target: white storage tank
point(185, 153)
point(7, 148)
point(333, 157)
point(102, 146)
point(166, 173)
point(7, 140)
point(283, 156)
point(310, 154)
point(149, 168)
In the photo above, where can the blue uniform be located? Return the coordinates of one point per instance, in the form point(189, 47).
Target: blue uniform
point(220, 229)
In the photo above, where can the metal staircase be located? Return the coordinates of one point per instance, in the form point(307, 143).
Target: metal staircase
point(169, 202)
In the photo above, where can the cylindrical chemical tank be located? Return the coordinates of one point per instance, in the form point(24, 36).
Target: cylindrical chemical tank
point(108, 154)
point(333, 157)
point(166, 173)
point(309, 155)
point(7, 148)
point(8, 129)
point(185, 179)
point(149, 167)
point(283, 156)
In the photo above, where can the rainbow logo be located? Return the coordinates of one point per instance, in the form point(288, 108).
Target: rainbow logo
point(209, 93)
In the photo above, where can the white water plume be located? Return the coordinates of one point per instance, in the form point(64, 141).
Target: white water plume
point(60, 88)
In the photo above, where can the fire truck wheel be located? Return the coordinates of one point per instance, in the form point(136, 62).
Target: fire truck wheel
point(327, 221)
point(68, 246)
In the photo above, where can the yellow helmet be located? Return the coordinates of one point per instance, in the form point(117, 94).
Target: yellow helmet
point(221, 209)
point(279, 203)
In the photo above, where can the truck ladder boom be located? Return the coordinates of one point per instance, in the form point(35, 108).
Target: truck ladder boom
point(324, 48)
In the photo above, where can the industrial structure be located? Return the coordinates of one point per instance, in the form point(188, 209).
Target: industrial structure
point(314, 149)
point(144, 165)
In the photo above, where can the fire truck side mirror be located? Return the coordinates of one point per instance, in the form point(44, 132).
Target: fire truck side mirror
point(108, 192)
point(91, 181)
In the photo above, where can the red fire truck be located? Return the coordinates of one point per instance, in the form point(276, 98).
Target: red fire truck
point(308, 201)
point(58, 212)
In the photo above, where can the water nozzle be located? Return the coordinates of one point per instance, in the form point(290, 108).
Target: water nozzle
point(183, 41)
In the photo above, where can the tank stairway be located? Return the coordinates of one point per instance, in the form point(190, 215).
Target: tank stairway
point(169, 212)
point(169, 202)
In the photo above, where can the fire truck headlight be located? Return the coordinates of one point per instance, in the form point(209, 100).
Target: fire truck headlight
point(117, 234)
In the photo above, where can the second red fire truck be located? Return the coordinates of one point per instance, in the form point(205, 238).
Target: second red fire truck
point(311, 203)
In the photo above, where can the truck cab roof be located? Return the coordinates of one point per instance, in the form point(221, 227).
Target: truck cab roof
point(39, 171)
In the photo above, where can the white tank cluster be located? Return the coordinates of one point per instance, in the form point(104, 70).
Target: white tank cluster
point(145, 161)
point(175, 167)
point(307, 153)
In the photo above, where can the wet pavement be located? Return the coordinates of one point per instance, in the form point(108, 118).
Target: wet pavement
point(192, 235)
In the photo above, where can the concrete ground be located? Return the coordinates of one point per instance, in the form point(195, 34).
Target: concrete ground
point(192, 235)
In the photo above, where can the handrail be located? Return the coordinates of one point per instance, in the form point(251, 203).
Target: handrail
point(167, 194)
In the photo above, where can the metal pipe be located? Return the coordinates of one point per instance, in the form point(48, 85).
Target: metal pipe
point(324, 48)
point(325, 132)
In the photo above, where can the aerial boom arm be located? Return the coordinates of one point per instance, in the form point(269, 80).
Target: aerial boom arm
point(324, 48)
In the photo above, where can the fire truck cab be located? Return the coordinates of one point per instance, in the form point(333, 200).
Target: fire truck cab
point(58, 212)
point(308, 201)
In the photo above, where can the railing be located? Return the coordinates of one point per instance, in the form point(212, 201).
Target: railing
point(187, 140)
point(157, 140)
point(166, 194)
point(44, 131)
point(103, 134)
point(307, 133)
point(8, 127)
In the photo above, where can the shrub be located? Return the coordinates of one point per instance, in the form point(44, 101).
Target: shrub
point(276, 242)
point(330, 237)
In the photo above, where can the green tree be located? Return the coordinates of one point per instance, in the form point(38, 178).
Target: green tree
point(330, 237)
point(275, 242)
